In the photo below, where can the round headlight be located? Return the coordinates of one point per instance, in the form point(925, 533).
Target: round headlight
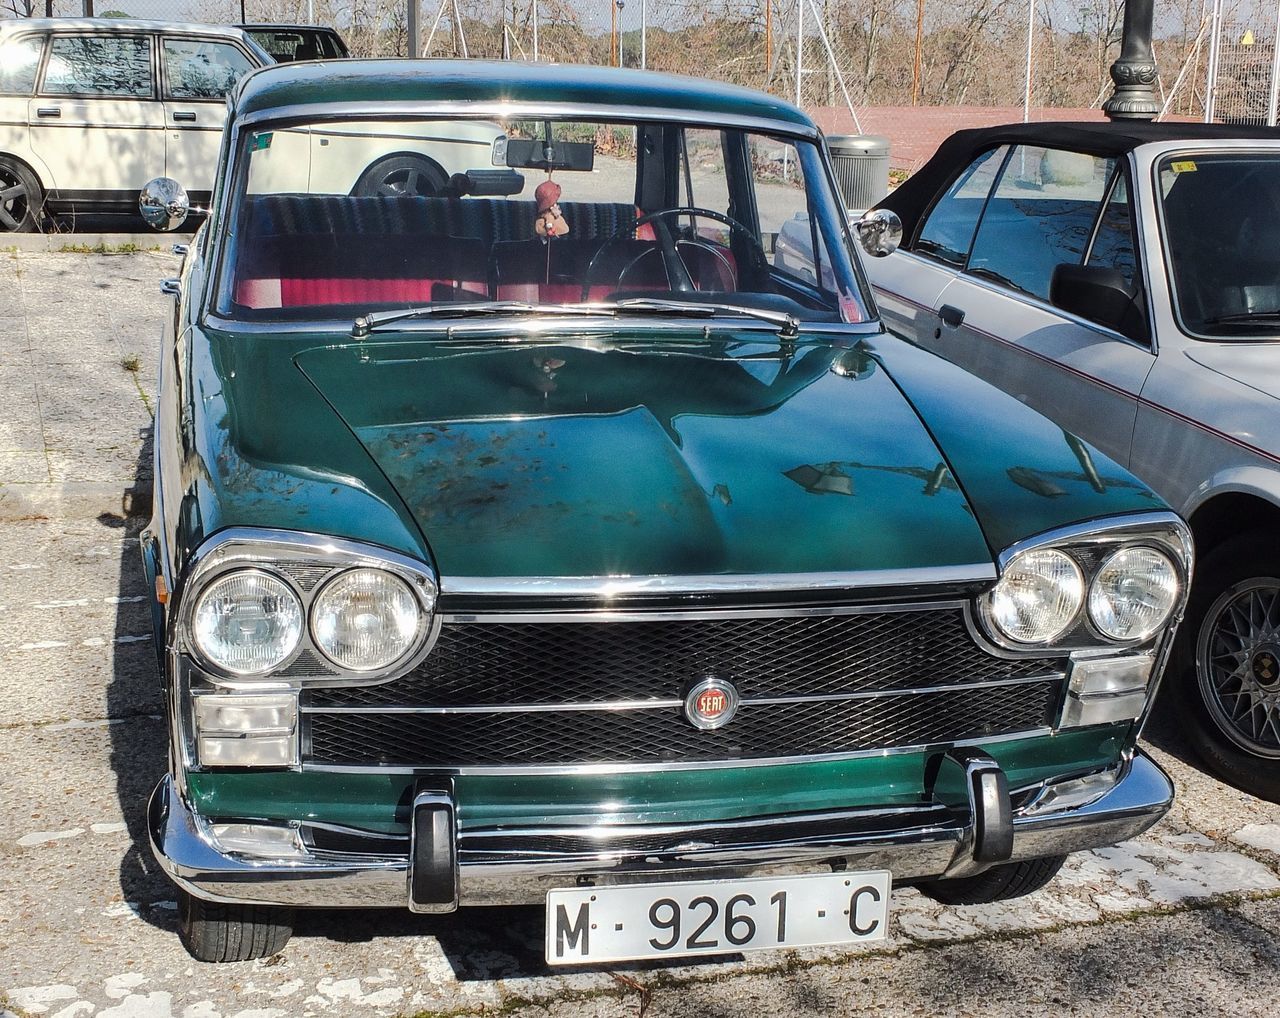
point(365, 619)
point(1038, 597)
point(1133, 593)
point(247, 622)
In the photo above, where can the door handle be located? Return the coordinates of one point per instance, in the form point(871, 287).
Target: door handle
point(48, 111)
point(951, 316)
point(184, 116)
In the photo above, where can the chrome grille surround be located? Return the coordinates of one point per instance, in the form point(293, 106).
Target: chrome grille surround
point(582, 690)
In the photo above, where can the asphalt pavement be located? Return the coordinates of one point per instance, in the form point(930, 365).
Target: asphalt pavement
point(1182, 921)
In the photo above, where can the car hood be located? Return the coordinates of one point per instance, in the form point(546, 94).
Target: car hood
point(621, 456)
point(1255, 365)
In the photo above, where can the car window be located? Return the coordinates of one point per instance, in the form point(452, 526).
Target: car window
point(1221, 215)
point(298, 44)
point(19, 59)
point(202, 70)
point(1040, 215)
point(351, 216)
point(116, 65)
point(705, 184)
point(1113, 244)
point(786, 227)
point(948, 231)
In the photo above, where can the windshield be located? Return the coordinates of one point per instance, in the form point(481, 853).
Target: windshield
point(1222, 217)
point(340, 219)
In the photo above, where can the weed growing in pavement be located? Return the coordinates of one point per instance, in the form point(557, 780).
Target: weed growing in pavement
point(131, 363)
point(103, 248)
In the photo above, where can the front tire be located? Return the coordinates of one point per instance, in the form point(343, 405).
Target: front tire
point(21, 198)
point(1226, 671)
point(216, 933)
point(1011, 880)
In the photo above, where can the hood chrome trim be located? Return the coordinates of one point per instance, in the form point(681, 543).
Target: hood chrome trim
point(606, 587)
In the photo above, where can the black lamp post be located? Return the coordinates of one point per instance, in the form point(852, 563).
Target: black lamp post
point(1134, 72)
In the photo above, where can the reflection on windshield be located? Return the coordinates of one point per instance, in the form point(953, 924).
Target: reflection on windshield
point(343, 219)
point(1222, 214)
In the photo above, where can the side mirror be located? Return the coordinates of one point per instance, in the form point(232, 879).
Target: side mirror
point(879, 232)
point(164, 204)
point(1100, 294)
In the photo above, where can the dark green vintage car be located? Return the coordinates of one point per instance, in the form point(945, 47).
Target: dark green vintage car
point(541, 536)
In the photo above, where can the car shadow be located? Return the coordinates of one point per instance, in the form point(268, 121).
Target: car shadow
point(138, 730)
point(1164, 731)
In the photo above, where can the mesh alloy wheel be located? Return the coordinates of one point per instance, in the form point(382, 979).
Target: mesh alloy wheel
point(1238, 664)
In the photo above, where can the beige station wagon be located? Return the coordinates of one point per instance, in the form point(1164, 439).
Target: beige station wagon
point(90, 109)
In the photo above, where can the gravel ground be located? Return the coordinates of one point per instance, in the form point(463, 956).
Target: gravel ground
point(1181, 921)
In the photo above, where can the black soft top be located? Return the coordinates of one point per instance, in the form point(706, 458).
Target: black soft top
point(1104, 138)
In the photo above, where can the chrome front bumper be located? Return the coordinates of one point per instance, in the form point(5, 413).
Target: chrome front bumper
point(515, 866)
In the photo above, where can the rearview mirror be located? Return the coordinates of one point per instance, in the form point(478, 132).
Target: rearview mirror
point(164, 204)
point(550, 155)
point(879, 232)
point(1100, 294)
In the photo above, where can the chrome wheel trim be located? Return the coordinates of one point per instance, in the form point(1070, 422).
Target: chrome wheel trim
point(1238, 664)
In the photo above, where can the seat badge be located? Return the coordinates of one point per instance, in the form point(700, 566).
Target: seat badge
point(711, 703)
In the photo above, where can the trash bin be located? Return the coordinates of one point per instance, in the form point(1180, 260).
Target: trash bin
point(861, 162)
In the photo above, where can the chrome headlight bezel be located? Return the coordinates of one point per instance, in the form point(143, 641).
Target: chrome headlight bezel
point(305, 563)
point(1090, 545)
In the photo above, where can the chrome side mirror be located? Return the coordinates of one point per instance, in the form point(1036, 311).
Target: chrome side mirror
point(164, 204)
point(879, 232)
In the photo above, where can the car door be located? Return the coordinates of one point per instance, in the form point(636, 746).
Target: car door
point(907, 283)
point(197, 74)
point(95, 120)
point(1050, 207)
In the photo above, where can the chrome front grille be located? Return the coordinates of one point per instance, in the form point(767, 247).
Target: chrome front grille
point(508, 663)
point(566, 693)
point(656, 735)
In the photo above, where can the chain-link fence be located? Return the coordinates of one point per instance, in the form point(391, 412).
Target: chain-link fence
point(1032, 57)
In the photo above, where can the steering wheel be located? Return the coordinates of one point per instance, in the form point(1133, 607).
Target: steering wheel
point(678, 277)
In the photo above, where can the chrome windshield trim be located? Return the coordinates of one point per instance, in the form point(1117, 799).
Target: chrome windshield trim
point(449, 110)
point(588, 770)
point(516, 327)
point(606, 587)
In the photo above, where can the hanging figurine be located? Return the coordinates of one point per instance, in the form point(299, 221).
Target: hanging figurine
point(550, 223)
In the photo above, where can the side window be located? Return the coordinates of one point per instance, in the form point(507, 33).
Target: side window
point(19, 59)
point(1114, 245)
point(201, 70)
point(948, 231)
point(116, 65)
point(783, 208)
point(1040, 215)
point(705, 186)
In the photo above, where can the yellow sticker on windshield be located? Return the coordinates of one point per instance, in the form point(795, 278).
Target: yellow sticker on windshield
point(1183, 166)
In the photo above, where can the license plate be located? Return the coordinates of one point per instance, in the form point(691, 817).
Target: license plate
point(636, 921)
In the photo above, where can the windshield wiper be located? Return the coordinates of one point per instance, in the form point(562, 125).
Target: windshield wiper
point(365, 324)
point(1245, 316)
point(788, 325)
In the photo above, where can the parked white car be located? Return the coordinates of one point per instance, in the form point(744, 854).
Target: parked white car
point(91, 109)
point(366, 158)
point(1124, 280)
